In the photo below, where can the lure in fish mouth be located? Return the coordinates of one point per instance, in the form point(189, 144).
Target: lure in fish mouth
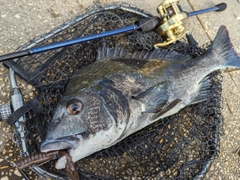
point(61, 143)
point(124, 92)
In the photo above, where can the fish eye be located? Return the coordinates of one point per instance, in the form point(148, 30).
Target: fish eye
point(74, 107)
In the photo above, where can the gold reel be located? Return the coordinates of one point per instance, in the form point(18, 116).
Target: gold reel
point(171, 26)
point(171, 16)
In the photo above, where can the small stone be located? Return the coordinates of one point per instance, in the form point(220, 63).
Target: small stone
point(25, 96)
point(31, 94)
point(17, 16)
point(4, 152)
point(16, 172)
point(30, 87)
point(212, 168)
point(4, 178)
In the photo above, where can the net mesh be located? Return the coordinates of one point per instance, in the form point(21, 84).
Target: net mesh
point(178, 147)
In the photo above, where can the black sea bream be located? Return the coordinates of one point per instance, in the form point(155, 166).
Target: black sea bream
point(117, 96)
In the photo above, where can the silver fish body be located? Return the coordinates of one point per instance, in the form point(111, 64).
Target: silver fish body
point(117, 96)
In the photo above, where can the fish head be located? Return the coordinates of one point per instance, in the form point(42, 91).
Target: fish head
point(82, 124)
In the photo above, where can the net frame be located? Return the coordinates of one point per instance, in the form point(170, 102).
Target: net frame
point(40, 62)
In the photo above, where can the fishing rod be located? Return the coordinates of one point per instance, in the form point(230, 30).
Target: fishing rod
point(168, 24)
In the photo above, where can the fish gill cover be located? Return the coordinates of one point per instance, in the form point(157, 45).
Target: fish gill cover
point(181, 146)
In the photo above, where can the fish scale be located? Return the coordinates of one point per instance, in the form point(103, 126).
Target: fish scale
point(96, 123)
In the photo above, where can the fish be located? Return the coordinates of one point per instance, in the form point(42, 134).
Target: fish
point(123, 92)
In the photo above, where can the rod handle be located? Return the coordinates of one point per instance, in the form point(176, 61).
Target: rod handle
point(221, 6)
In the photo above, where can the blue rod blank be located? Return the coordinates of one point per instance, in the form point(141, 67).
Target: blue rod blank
point(82, 39)
point(67, 43)
point(219, 7)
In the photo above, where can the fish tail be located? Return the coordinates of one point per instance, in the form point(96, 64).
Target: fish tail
point(223, 46)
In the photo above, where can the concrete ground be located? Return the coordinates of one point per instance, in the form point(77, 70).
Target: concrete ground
point(22, 20)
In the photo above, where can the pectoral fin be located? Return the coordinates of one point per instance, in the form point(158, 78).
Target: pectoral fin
point(154, 98)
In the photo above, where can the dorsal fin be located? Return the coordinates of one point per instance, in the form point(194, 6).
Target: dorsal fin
point(121, 52)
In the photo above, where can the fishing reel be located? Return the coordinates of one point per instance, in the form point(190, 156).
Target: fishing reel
point(171, 21)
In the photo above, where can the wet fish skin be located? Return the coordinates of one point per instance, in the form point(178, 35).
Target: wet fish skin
point(121, 95)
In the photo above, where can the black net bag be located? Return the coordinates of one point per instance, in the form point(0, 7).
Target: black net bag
point(182, 146)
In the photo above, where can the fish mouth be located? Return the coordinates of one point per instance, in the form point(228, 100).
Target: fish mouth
point(67, 142)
